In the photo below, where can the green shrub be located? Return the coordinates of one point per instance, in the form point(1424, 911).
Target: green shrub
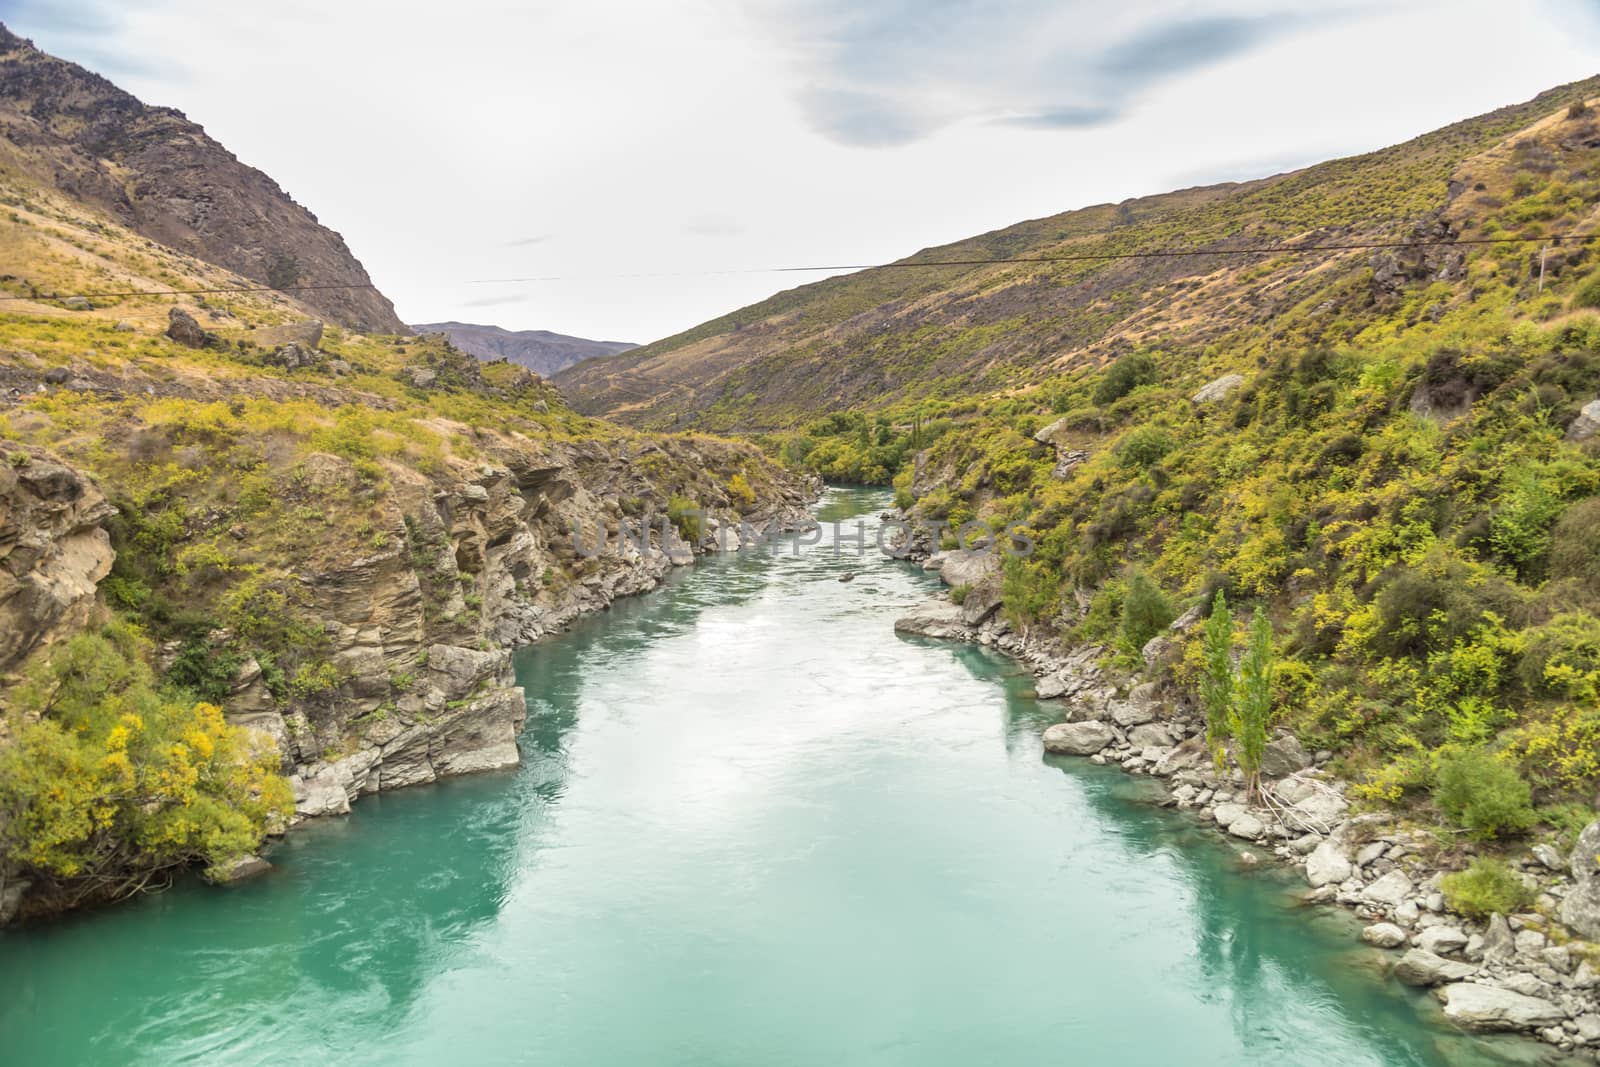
point(1588, 294)
point(958, 593)
point(685, 514)
point(1562, 657)
point(1575, 544)
point(1486, 888)
point(1146, 612)
point(1253, 700)
point(1125, 375)
point(1145, 447)
point(1484, 795)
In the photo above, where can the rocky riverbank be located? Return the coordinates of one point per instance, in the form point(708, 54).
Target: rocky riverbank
point(415, 614)
point(1536, 973)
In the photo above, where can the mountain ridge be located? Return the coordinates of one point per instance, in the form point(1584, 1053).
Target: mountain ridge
point(162, 176)
point(541, 351)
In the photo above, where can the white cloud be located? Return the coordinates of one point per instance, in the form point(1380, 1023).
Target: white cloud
point(631, 147)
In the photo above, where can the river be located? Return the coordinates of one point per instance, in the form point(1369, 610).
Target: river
point(752, 826)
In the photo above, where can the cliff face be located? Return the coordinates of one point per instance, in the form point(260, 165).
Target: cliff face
point(53, 550)
point(422, 699)
point(160, 175)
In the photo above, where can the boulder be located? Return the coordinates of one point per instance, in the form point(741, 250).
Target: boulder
point(423, 377)
point(935, 618)
point(1389, 891)
point(1247, 826)
point(1384, 935)
point(1141, 706)
point(1158, 652)
point(1587, 424)
point(1214, 392)
point(1442, 940)
point(1550, 857)
point(1585, 859)
point(1225, 814)
point(1328, 865)
point(77, 303)
point(1499, 944)
point(1581, 909)
point(182, 328)
point(1284, 756)
point(1150, 735)
point(1422, 969)
point(969, 566)
point(1078, 738)
point(1311, 807)
point(1050, 686)
point(1487, 1008)
point(293, 356)
point(237, 870)
point(1048, 434)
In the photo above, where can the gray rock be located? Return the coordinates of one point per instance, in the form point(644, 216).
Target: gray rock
point(77, 303)
point(123, 327)
point(1050, 686)
point(1384, 935)
point(1247, 826)
point(935, 618)
point(1588, 1028)
point(1488, 1008)
point(182, 328)
point(1226, 813)
point(1499, 945)
point(1370, 852)
point(1187, 621)
point(1150, 735)
point(1550, 857)
point(1067, 461)
point(1078, 738)
point(237, 870)
point(1048, 434)
point(1442, 940)
point(1219, 390)
point(1327, 865)
point(1313, 808)
point(1581, 909)
point(423, 377)
point(57, 376)
point(968, 567)
point(1141, 707)
point(1158, 652)
point(1585, 860)
point(1422, 968)
point(1388, 891)
point(1284, 756)
point(1587, 424)
point(294, 356)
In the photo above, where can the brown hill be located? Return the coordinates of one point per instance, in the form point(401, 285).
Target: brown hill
point(160, 175)
point(887, 335)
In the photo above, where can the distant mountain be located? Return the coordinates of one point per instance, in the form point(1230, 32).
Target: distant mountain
point(152, 170)
point(540, 351)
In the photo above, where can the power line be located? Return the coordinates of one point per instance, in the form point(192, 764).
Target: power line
point(1077, 257)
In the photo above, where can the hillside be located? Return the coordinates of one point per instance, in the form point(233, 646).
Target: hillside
point(254, 566)
point(67, 130)
point(540, 351)
point(888, 335)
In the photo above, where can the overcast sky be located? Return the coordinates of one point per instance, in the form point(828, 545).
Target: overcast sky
point(486, 139)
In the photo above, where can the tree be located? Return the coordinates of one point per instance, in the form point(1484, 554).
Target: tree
point(1216, 684)
point(1252, 701)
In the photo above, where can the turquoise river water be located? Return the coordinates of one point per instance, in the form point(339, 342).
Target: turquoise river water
point(752, 826)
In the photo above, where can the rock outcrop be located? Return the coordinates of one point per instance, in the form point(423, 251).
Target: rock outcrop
point(53, 550)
